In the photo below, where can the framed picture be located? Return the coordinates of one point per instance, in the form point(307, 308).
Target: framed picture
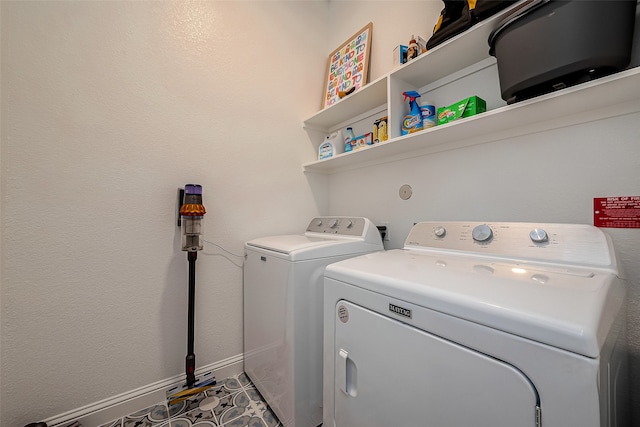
point(348, 66)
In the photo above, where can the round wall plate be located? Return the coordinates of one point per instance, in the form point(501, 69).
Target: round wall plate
point(405, 192)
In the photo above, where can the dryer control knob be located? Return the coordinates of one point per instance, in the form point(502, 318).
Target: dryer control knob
point(319, 223)
point(538, 235)
point(334, 223)
point(482, 233)
point(349, 223)
point(440, 231)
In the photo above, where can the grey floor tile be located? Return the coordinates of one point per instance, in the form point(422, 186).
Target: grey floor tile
point(232, 402)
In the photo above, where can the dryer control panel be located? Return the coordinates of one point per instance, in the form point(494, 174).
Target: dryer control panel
point(568, 243)
point(346, 226)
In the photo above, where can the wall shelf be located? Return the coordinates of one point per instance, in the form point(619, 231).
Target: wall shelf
point(609, 96)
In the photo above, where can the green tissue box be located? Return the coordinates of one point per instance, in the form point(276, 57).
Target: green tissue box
point(465, 108)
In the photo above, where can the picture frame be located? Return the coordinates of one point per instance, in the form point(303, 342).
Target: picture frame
point(348, 66)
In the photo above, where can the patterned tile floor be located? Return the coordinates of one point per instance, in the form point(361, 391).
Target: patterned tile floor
point(233, 402)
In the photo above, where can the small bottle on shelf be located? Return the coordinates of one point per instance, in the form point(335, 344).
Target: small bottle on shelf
point(349, 136)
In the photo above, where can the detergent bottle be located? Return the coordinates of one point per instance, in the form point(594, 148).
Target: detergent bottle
point(413, 121)
point(348, 138)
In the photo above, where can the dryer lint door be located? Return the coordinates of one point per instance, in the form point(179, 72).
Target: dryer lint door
point(388, 373)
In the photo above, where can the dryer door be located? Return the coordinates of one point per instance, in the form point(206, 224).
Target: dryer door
point(388, 373)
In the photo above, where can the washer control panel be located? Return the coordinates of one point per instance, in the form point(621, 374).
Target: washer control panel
point(346, 226)
point(572, 243)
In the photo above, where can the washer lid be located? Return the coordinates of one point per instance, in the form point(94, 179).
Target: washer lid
point(571, 308)
point(303, 247)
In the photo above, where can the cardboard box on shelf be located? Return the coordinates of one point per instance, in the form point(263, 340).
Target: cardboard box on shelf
point(466, 108)
point(361, 141)
point(380, 133)
point(399, 55)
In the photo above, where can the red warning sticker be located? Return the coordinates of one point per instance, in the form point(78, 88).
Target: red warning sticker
point(616, 212)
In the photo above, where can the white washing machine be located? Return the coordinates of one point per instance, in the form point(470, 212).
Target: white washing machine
point(484, 325)
point(283, 280)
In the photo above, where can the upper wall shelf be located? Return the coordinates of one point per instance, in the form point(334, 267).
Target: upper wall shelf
point(610, 96)
point(461, 51)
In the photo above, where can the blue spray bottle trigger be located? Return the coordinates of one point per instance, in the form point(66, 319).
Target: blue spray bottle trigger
point(411, 94)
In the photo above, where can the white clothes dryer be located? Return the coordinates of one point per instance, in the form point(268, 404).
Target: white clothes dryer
point(283, 280)
point(484, 325)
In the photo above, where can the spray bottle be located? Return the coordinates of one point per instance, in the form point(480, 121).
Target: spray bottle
point(413, 121)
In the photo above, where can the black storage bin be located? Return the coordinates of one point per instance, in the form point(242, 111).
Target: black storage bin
point(548, 45)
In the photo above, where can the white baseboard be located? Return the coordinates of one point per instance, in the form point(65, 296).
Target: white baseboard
point(109, 409)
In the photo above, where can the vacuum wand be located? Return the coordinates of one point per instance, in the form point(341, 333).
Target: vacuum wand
point(191, 356)
point(191, 213)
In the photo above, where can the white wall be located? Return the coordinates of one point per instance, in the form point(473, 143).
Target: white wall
point(108, 108)
point(550, 176)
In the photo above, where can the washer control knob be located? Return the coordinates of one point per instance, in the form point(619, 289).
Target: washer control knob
point(482, 233)
point(440, 231)
point(538, 235)
point(319, 222)
point(349, 223)
point(334, 223)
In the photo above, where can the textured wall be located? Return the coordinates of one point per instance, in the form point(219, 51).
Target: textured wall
point(107, 108)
